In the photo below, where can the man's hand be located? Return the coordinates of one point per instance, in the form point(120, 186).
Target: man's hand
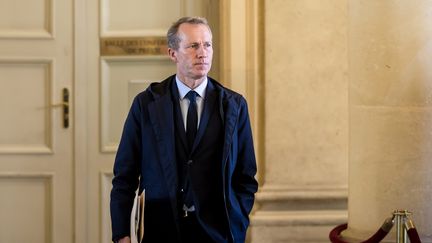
point(126, 239)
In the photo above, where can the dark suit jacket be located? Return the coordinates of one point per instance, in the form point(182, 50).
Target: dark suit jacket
point(147, 149)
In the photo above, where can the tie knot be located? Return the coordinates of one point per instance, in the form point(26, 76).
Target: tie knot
point(191, 95)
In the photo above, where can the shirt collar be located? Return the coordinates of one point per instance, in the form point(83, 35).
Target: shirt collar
point(183, 89)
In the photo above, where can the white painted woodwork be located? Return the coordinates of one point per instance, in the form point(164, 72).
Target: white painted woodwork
point(36, 152)
point(27, 18)
point(121, 80)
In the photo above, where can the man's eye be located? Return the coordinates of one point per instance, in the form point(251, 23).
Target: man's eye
point(207, 44)
point(194, 46)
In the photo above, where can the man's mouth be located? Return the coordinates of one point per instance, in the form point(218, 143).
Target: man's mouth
point(201, 66)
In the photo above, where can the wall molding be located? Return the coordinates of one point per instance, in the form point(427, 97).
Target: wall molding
point(47, 65)
point(108, 144)
point(281, 192)
point(242, 61)
point(45, 33)
point(299, 218)
point(105, 190)
point(47, 181)
point(283, 198)
point(297, 214)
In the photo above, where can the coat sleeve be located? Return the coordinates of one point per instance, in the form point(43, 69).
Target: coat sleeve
point(126, 173)
point(243, 179)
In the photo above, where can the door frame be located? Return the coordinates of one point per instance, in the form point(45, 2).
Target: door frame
point(80, 120)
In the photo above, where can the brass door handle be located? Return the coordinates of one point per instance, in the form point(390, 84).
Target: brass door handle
point(65, 106)
point(59, 105)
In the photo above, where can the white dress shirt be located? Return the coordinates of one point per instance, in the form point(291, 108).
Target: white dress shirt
point(184, 102)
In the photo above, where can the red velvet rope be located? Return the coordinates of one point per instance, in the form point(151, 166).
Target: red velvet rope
point(375, 238)
point(380, 234)
point(413, 236)
point(334, 234)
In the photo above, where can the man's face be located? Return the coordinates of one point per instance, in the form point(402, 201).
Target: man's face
point(195, 53)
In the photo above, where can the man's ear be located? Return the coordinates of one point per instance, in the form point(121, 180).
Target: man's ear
point(172, 54)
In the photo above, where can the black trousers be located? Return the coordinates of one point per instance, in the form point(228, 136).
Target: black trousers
point(192, 231)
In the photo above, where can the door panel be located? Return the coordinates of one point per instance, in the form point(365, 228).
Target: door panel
point(19, 211)
point(36, 76)
point(26, 19)
point(35, 150)
point(121, 80)
point(142, 18)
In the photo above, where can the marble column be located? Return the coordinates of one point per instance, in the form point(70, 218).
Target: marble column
point(390, 133)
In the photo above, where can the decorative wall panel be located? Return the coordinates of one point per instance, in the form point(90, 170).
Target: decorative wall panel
point(26, 216)
point(136, 17)
point(105, 183)
point(26, 19)
point(122, 80)
point(25, 106)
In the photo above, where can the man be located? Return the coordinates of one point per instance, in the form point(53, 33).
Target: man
point(189, 140)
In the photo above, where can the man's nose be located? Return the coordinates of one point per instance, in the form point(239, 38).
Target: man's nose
point(201, 51)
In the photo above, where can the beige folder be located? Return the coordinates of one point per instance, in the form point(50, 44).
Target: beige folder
point(137, 218)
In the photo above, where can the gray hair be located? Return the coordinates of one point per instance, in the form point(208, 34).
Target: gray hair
point(173, 38)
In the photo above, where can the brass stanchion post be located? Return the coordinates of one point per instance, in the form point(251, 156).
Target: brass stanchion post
point(401, 231)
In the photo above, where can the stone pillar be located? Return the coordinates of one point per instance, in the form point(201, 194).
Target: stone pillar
point(390, 137)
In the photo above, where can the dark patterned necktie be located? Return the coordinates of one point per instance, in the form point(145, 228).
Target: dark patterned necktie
point(192, 118)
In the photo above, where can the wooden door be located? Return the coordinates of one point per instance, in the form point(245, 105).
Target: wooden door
point(36, 149)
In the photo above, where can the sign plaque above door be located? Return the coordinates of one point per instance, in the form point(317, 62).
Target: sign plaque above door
point(133, 46)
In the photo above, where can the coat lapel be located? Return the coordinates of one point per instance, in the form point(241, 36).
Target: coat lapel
point(209, 104)
point(162, 119)
point(229, 114)
point(180, 126)
point(180, 129)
